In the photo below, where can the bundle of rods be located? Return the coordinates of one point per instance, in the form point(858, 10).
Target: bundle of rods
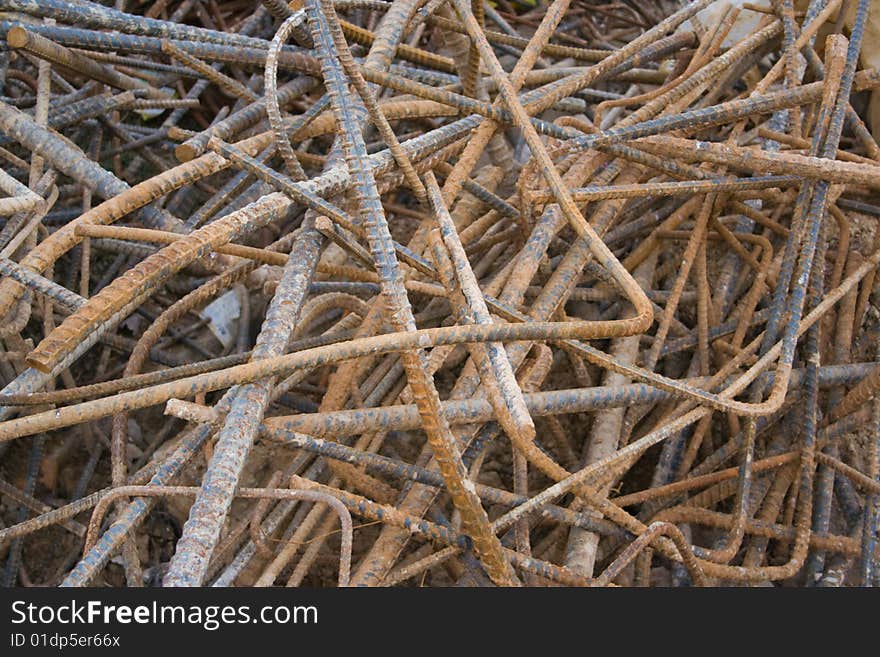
point(438, 293)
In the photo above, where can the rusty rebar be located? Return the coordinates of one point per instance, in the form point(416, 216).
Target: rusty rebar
point(582, 296)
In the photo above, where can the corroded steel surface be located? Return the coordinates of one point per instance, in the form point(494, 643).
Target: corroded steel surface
point(374, 293)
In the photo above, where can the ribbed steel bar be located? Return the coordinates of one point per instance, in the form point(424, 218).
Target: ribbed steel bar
point(575, 294)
